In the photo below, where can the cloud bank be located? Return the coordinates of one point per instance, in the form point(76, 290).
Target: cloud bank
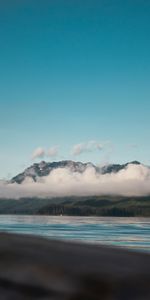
point(134, 180)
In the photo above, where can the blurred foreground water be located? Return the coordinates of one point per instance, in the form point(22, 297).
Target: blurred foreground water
point(132, 233)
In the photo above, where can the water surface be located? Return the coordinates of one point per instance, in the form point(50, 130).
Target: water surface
point(133, 233)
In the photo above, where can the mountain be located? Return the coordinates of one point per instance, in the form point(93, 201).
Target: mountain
point(114, 168)
point(44, 168)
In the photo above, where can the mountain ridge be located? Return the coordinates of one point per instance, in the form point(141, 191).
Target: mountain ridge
point(45, 168)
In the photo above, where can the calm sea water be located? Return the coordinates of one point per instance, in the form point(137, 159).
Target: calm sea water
point(133, 233)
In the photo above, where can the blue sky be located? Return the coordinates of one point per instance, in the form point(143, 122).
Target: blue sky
point(73, 72)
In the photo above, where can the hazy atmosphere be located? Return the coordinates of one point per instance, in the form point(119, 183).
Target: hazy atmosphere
point(74, 86)
point(134, 180)
point(71, 74)
point(74, 149)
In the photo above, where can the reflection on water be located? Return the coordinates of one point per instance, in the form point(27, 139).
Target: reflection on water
point(132, 233)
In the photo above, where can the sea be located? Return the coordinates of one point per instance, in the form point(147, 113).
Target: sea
point(130, 233)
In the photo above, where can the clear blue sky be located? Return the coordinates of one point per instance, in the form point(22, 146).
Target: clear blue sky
point(71, 72)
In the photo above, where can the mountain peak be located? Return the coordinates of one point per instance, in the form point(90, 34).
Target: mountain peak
point(45, 168)
point(134, 162)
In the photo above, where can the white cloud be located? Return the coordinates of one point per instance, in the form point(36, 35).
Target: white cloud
point(53, 151)
point(134, 180)
point(38, 153)
point(89, 146)
point(41, 152)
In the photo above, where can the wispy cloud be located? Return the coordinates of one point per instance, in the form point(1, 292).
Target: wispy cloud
point(41, 152)
point(132, 146)
point(38, 153)
point(53, 151)
point(89, 146)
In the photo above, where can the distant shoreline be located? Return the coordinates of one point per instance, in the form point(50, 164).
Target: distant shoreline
point(113, 206)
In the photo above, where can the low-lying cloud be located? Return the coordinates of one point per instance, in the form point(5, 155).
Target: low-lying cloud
point(134, 180)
